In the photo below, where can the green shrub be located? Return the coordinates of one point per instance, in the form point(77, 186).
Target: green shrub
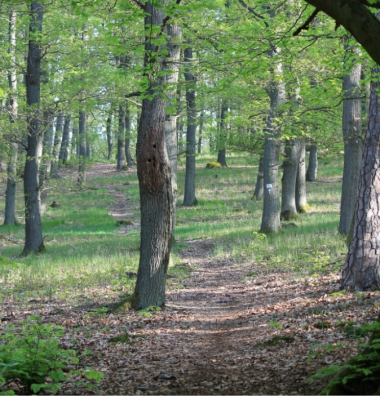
point(31, 356)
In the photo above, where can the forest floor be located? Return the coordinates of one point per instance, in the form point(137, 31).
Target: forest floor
point(228, 327)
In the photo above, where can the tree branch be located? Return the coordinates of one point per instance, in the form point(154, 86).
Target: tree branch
point(305, 25)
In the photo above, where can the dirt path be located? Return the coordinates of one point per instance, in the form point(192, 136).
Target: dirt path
point(228, 328)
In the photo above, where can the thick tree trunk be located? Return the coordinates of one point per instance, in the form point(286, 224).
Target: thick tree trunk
point(222, 134)
point(270, 221)
point(189, 197)
point(362, 267)
point(153, 170)
point(121, 140)
point(128, 155)
point(82, 148)
point(289, 179)
point(173, 46)
point(64, 152)
point(301, 201)
point(312, 169)
point(259, 188)
point(57, 145)
point(109, 136)
point(353, 146)
point(33, 230)
point(10, 194)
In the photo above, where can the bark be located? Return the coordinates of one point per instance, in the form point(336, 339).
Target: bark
point(82, 148)
point(259, 189)
point(270, 221)
point(64, 152)
point(109, 136)
point(357, 19)
point(74, 142)
point(153, 170)
point(301, 201)
point(353, 146)
point(289, 179)
point(128, 155)
point(312, 169)
point(57, 145)
point(222, 134)
point(362, 267)
point(201, 121)
point(46, 159)
point(33, 230)
point(121, 139)
point(173, 46)
point(10, 194)
point(189, 197)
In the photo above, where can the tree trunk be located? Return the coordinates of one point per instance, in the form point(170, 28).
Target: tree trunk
point(362, 268)
point(46, 158)
point(109, 136)
point(74, 143)
point(301, 201)
point(82, 148)
point(33, 230)
point(10, 194)
point(259, 189)
point(173, 46)
point(289, 179)
point(201, 120)
point(189, 197)
point(312, 169)
point(153, 172)
point(270, 221)
point(121, 140)
point(353, 145)
point(57, 145)
point(64, 152)
point(128, 156)
point(222, 134)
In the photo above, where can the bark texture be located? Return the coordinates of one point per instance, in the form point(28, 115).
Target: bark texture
point(173, 46)
point(222, 134)
point(10, 194)
point(353, 146)
point(362, 267)
point(57, 145)
point(82, 148)
point(64, 152)
point(153, 172)
point(312, 169)
point(357, 19)
point(189, 197)
point(259, 188)
point(301, 201)
point(289, 179)
point(33, 229)
point(109, 136)
point(270, 221)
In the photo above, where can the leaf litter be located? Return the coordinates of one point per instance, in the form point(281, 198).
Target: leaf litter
point(221, 332)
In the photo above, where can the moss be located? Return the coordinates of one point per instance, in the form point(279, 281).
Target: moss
point(125, 167)
point(322, 325)
point(212, 165)
point(304, 208)
point(288, 215)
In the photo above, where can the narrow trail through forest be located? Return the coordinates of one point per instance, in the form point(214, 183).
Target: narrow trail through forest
point(216, 334)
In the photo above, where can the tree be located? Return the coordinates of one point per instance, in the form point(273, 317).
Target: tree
point(153, 170)
point(33, 230)
point(189, 197)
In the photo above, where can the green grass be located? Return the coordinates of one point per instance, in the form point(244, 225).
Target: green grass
point(84, 250)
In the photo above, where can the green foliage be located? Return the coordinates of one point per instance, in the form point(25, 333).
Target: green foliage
point(359, 375)
point(147, 312)
point(31, 355)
